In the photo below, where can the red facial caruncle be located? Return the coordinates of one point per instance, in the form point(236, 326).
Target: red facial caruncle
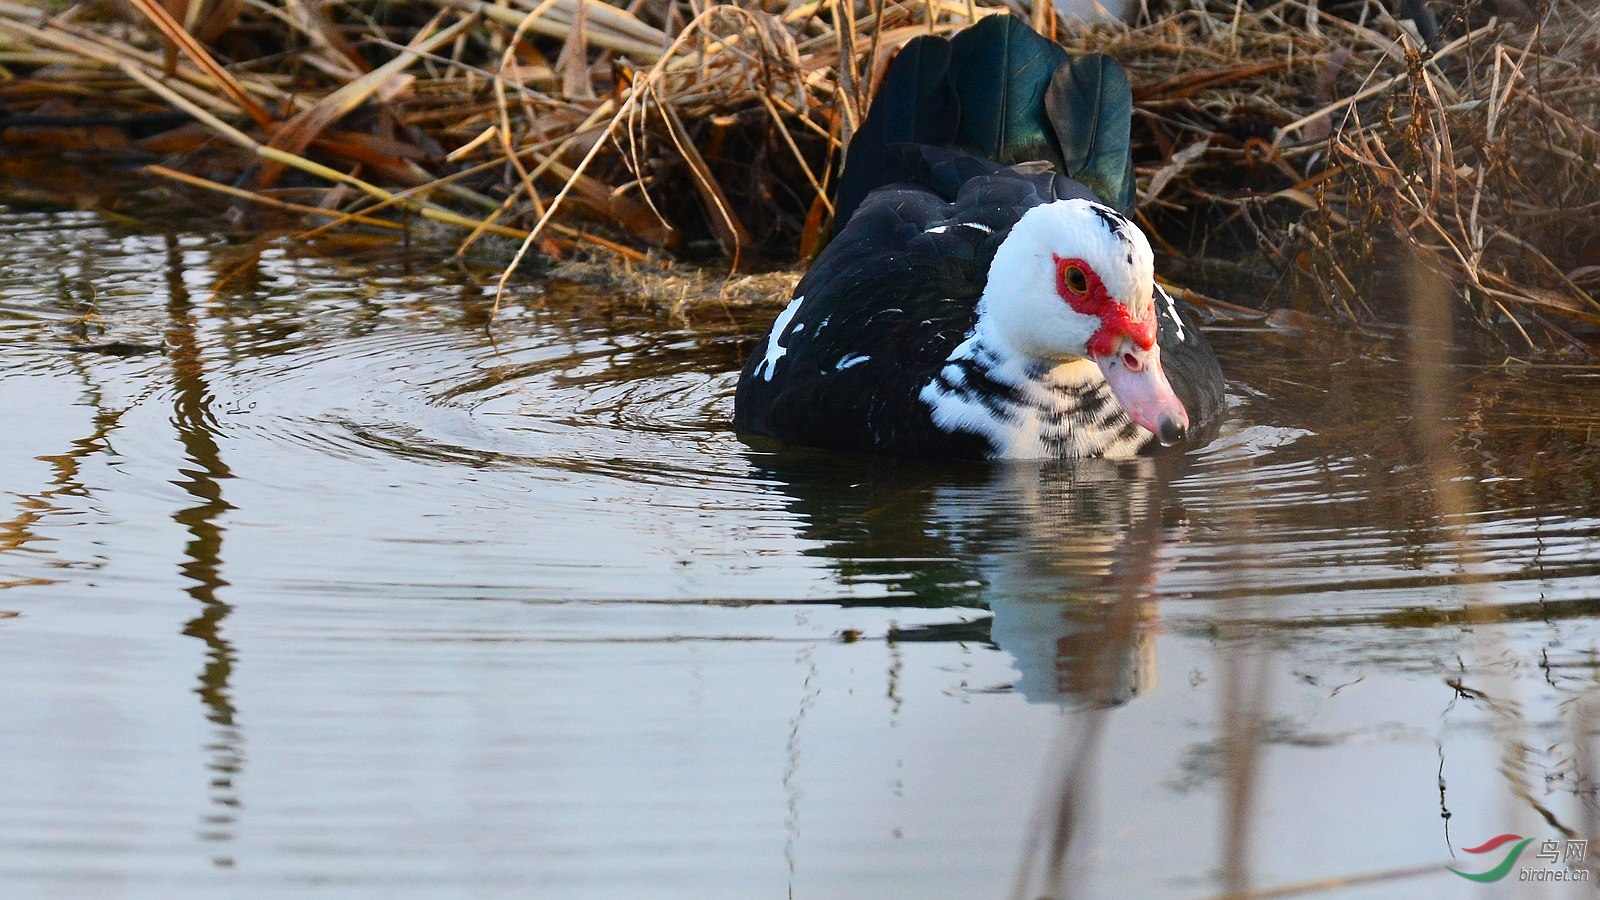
point(1081, 287)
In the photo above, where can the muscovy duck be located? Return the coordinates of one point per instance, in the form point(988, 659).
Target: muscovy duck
point(985, 294)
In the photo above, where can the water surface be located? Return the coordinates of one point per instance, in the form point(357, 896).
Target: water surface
point(316, 585)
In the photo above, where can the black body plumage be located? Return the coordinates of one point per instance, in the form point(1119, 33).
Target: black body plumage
point(928, 194)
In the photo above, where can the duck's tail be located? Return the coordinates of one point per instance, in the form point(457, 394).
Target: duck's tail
point(1000, 91)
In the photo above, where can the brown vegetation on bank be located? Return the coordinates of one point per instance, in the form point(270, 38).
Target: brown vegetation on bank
point(1303, 147)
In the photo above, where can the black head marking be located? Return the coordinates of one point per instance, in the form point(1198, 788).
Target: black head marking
point(1113, 222)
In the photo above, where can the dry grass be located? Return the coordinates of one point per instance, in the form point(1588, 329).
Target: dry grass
point(1338, 150)
point(1330, 149)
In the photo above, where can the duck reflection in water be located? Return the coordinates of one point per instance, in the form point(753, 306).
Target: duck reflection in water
point(1063, 554)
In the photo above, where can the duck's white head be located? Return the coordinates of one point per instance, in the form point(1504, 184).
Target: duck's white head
point(1076, 279)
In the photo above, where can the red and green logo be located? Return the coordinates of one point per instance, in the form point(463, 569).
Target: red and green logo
point(1495, 843)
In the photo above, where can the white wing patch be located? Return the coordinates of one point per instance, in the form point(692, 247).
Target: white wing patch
point(941, 229)
point(1172, 311)
point(852, 359)
point(775, 349)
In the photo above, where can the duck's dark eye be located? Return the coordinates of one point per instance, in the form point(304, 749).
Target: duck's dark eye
point(1075, 280)
point(1077, 283)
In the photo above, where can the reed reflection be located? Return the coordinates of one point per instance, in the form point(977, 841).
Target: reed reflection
point(202, 479)
point(17, 532)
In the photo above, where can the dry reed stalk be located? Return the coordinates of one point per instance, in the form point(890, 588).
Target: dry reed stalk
point(180, 38)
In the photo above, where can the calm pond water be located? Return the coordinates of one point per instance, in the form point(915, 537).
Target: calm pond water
point(345, 595)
